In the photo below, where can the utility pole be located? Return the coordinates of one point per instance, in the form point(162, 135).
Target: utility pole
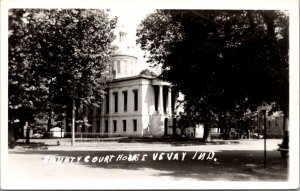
point(264, 109)
point(265, 139)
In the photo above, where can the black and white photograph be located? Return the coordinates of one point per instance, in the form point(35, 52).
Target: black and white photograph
point(149, 95)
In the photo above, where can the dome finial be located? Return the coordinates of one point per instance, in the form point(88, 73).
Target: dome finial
point(122, 34)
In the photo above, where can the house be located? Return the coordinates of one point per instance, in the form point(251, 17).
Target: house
point(274, 125)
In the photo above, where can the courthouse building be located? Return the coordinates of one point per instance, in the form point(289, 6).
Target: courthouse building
point(137, 103)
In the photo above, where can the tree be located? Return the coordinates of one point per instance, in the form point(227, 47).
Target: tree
point(58, 57)
point(236, 57)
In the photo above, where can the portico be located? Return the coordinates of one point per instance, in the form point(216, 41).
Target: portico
point(163, 98)
point(164, 107)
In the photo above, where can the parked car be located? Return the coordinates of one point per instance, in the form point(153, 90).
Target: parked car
point(256, 136)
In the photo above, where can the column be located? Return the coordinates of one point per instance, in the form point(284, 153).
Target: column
point(160, 100)
point(169, 103)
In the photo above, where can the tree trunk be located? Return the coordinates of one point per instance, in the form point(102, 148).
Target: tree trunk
point(49, 120)
point(222, 127)
point(284, 124)
point(206, 134)
point(73, 123)
point(27, 133)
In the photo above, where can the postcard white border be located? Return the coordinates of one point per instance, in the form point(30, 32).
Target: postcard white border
point(291, 5)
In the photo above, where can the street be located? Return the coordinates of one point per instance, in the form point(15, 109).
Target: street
point(130, 164)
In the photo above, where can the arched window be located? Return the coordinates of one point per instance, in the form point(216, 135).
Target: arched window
point(118, 67)
point(125, 66)
point(131, 67)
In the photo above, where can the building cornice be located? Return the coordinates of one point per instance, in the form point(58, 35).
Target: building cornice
point(131, 78)
point(123, 55)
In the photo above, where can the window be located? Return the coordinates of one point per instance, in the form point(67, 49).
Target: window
point(115, 125)
point(83, 128)
point(135, 97)
point(131, 67)
point(125, 100)
point(122, 66)
point(118, 66)
point(84, 110)
point(134, 125)
point(125, 66)
point(91, 110)
point(124, 125)
point(98, 111)
point(116, 101)
point(91, 129)
point(111, 68)
point(106, 126)
point(114, 74)
point(156, 90)
point(107, 102)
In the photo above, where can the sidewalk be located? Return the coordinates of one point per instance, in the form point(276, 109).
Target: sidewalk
point(123, 143)
point(110, 143)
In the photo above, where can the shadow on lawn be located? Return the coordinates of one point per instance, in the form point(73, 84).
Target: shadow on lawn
point(32, 145)
point(229, 165)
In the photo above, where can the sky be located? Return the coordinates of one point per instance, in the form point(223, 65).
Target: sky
point(129, 18)
point(128, 21)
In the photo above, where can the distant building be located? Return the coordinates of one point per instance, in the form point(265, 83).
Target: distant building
point(137, 103)
point(274, 124)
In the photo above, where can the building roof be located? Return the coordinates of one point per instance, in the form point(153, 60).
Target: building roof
point(154, 80)
point(141, 76)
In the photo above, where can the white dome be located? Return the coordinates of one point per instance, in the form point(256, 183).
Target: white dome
point(124, 59)
point(123, 48)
